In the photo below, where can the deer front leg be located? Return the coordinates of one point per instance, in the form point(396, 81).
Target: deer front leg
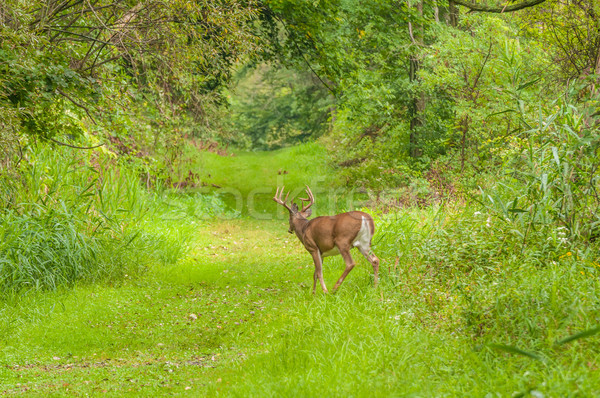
point(318, 260)
point(345, 252)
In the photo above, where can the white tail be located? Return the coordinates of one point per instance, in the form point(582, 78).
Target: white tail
point(331, 235)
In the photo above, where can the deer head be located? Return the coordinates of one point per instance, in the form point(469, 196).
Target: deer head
point(297, 217)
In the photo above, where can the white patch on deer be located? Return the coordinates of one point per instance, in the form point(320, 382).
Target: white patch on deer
point(363, 238)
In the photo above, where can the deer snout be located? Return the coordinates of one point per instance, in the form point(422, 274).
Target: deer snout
point(290, 231)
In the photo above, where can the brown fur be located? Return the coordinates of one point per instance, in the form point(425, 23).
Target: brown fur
point(322, 234)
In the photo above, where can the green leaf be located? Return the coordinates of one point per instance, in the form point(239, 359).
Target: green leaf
point(500, 113)
point(580, 335)
point(530, 83)
point(514, 350)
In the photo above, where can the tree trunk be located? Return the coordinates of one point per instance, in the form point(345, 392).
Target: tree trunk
point(418, 102)
point(453, 12)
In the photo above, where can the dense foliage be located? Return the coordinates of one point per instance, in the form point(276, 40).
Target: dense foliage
point(122, 82)
point(421, 87)
point(276, 107)
point(126, 70)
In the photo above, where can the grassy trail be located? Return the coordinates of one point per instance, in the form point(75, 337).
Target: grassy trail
point(173, 330)
point(219, 322)
point(236, 317)
point(248, 180)
point(202, 326)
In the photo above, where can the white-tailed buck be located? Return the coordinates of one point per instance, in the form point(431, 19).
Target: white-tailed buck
point(331, 235)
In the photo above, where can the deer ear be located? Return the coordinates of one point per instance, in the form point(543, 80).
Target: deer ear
point(294, 208)
point(306, 213)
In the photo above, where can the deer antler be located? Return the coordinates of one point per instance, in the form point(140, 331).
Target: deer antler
point(277, 198)
point(310, 199)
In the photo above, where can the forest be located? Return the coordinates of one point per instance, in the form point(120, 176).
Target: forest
point(142, 143)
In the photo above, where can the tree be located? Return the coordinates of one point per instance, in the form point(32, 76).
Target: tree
point(570, 31)
point(67, 61)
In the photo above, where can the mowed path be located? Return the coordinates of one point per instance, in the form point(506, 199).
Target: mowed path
point(235, 318)
point(172, 330)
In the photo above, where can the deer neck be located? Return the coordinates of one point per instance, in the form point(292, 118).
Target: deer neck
point(300, 225)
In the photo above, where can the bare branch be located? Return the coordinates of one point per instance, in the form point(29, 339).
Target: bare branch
point(487, 57)
point(95, 64)
point(74, 146)
point(303, 55)
point(506, 8)
point(67, 96)
point(88, 10)
point(410, 33)
point(45, 15)
point(86, 38)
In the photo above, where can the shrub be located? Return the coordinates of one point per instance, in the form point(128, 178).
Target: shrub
point(70, 216)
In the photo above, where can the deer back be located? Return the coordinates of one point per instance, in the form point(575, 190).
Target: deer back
point(325, 232)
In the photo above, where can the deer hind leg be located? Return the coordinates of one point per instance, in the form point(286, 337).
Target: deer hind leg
point(345, 252)
point(318, 260)
point(372, 258)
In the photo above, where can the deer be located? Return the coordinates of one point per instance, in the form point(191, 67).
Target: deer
point(330, 235)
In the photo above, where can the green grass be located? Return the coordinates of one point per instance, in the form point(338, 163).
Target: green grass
point(247, 180)
point(230, 313)
point(256, 330)
point(68, 217)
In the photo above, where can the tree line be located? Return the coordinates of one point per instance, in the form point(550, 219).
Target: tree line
point(397, 86)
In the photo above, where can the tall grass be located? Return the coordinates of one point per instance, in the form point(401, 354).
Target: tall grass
point(517, 270)
point(70, 215)
point(549, 190)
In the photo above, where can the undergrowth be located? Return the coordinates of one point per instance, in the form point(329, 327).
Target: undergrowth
point(70, 215)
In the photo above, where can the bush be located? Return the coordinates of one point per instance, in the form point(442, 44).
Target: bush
point(69, 216)
point(518, 266)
